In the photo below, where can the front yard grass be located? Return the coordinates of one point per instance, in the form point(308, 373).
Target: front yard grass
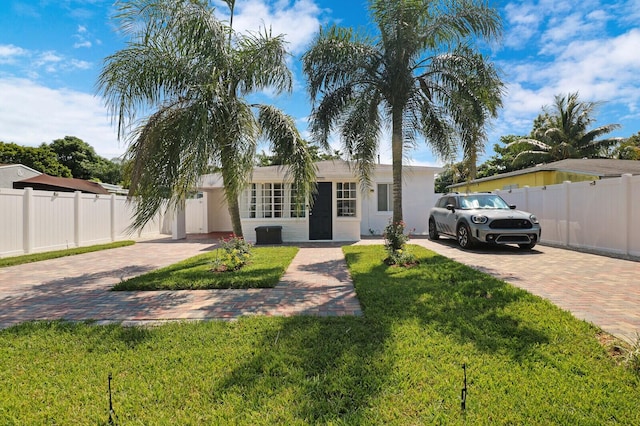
point(528, 362)
point(37, 257)
point(264, 269)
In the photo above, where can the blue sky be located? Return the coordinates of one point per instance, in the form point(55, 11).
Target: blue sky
point(51, 52)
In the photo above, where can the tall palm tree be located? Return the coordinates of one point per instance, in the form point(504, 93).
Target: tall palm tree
point(562, 132)
point(191, 74)
point(419, 74)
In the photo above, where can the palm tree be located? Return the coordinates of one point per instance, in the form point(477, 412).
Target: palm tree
point(191, 73)
point(562, 132)
point(419, 74)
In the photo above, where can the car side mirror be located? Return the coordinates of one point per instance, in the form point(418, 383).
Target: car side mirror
point(512, 206)
point(451, 207)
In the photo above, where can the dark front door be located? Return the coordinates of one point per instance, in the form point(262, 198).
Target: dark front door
point(320, 214)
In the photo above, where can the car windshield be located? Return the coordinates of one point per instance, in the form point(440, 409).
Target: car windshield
point(482, 201)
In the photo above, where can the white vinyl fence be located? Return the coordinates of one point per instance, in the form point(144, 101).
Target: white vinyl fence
point(36, 221)
point(602, 216)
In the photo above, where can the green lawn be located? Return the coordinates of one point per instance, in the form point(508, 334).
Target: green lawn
point(401, 363)
point(264, 269)
point(36, 257)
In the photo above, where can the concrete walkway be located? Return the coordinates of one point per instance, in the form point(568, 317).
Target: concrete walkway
point(598, 289)
point(77, 288)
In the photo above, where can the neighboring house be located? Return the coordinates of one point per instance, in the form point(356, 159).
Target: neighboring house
point(44, 182)
point(573, 170)
point(10, 173)
point(342, 211)
point(114, 189)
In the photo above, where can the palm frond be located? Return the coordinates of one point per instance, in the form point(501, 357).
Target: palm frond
point(287, 144)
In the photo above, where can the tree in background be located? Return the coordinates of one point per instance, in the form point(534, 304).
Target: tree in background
point(503, 160)
point(84, 163)
point(628, 149)
point(453, 173)
point(562, 131)
point(419, 76)
point(264, 159)
point(193, 72)
point(42, 158)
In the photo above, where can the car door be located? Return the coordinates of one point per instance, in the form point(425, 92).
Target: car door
point(442, 216)
point(450, 219)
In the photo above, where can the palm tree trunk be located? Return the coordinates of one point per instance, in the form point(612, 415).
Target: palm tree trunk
point(396, 153)
point(234, 211)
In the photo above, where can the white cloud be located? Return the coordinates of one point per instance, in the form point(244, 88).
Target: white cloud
point(49, 57)
point(298, 20)
point(9, 53)
point(85, 43)
point(31, 114)
point(524, 20)
point(571, 46)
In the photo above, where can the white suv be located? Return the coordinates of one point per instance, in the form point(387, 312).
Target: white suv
point(482, 217)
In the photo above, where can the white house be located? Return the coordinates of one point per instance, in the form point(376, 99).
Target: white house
point(341, 211)
point(10, 173)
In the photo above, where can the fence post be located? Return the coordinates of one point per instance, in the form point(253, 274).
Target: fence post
point(526, 198)
point(567, 210)
point(626, 209)
point(113, 217)
point(77, 217)
point(179, 231)
point(27, 220)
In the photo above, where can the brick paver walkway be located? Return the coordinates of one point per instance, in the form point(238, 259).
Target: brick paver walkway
point(77, 288)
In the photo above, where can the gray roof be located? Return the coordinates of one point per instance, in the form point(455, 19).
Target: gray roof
point(602, 167)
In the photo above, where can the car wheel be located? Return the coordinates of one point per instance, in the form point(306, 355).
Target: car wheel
point(527, 246)
point(464, 236)
point(433, 232)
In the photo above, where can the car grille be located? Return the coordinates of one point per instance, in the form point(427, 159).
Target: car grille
point(511, 224)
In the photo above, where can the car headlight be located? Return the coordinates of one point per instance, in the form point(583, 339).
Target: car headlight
point(479, 219)
point(533, 218)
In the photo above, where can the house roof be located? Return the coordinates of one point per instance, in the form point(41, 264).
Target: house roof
point(54, 183)
point(603, 168)
point(335, 168)
point(325, 170)
point(2, 165)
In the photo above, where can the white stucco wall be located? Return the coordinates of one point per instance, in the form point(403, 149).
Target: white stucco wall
point(218, 218)
point(418, 198)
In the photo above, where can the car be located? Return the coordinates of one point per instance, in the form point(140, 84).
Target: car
point(482, 218)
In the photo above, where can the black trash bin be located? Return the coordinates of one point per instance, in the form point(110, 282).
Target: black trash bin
point(268, 235)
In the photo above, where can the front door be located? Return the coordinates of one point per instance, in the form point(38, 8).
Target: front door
point(320, 216)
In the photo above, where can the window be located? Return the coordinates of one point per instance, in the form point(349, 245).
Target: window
point(269, 201)
point(346, 199)
point(385, 197)
point(297, 207)
point(272, 199)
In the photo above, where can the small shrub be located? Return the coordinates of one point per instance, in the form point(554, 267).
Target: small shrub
point(235, 243)
point(401, 257)
point(394, 243)
point(233, 254)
